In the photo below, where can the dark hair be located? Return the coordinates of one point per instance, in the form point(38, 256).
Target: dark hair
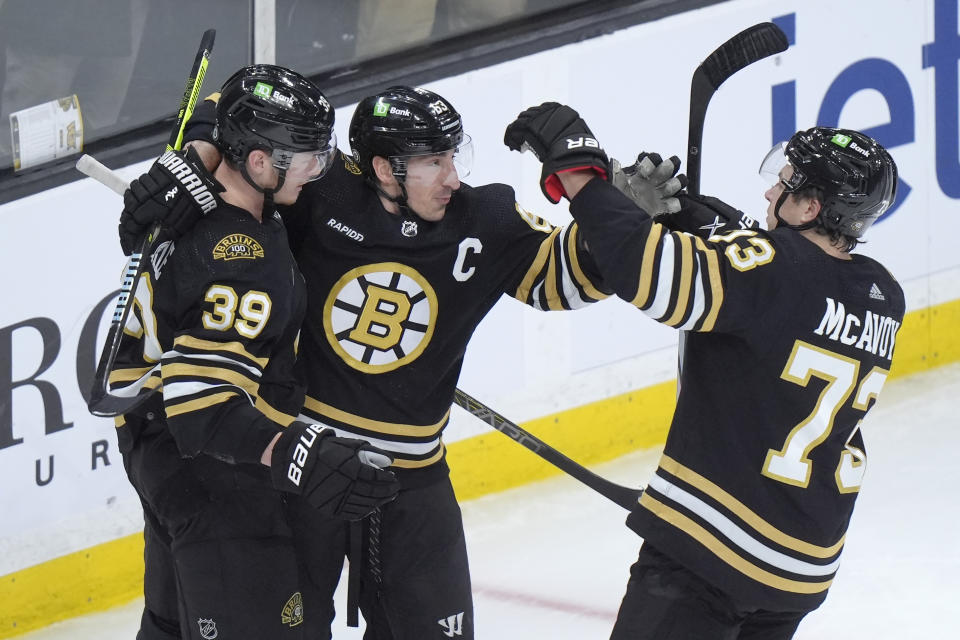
point(842, 241)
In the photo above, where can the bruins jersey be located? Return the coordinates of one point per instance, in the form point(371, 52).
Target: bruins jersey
point(394, 300)
point(787, 351)
point(214, 327)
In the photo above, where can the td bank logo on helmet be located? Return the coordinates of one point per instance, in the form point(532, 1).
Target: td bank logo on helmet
point(846, 141)
point(382, 108)
point(266, 91)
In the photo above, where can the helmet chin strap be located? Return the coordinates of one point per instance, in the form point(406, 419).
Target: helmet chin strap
point(400, 200)
point(267, 193)
point(783, 223)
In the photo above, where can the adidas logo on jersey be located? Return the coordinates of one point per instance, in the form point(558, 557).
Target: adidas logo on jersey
point(875, 292)
point(452, 625)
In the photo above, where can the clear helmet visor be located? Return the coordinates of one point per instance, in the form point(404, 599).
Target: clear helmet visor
point(429, 167)
point(776, 168)
point(306, 166)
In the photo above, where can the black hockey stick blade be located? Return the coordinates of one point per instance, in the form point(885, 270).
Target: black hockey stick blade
point(101, 402)
point(750, 45)
point(623, 496)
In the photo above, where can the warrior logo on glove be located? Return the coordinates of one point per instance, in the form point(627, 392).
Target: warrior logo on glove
point(174, 163)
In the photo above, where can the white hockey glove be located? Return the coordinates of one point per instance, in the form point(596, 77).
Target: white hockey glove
point(651, 182)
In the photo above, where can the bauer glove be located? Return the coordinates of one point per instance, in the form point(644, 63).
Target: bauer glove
point(651, 182)
point(341, 477)
point(175, 192)
point(706, 216)
point(561, 140)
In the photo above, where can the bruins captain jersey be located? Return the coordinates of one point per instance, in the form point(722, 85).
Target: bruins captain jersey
point(788, 350)
point(394, 300)
point(214, 326)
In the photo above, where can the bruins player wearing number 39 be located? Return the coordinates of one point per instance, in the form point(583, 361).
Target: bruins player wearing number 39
point(402, 262)
point(217, 314)
point(791, 339)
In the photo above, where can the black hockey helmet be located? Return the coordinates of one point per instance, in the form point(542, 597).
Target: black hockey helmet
point(858, 177)
point(273, 109)
point(400, 122)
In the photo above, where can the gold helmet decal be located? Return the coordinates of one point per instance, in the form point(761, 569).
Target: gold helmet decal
point(380, 316)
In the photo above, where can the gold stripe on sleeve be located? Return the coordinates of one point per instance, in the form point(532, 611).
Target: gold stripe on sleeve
point(646, 268)
point(578, 273)
point(716, 284)
point(686, 279)
point(199, 403)
point(523, 291)
point(213, 346)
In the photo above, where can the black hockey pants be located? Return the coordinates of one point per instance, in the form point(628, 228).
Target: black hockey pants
point(233, 559)
point(415, 581)
point(665, 601)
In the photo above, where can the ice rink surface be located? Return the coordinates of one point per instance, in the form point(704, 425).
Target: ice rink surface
point(550, 560)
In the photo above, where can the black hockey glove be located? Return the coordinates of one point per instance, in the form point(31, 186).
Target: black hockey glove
point(342, 477)
point(561, 140)
point(175, 192)
point(651, 182)
point(706, 216)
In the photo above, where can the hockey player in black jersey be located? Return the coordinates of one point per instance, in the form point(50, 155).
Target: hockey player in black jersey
point(216, 319)
point(402, 262)
point(791, 339)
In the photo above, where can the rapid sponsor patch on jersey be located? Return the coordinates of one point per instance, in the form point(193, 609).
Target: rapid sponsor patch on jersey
point(380, 316)
point(236, 246)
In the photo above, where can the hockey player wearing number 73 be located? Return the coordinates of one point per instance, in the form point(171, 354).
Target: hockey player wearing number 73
point(790, 341)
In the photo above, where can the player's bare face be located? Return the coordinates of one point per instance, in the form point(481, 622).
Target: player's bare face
point(791, 209)
point(430, 183)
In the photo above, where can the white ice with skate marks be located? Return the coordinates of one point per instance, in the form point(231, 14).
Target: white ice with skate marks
point(550, 560)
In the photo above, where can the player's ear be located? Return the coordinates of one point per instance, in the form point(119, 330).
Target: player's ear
point(383, 170)
point(258, 162)
point(812, 211)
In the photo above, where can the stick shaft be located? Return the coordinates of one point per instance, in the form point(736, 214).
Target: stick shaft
point(101, 403)
point(623, 496)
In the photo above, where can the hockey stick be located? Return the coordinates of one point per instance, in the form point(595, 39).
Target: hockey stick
point(623, 496)
point(750, 45)
point(101, 402)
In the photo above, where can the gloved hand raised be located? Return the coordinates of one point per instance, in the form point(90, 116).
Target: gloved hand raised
point(706, 216)
point(561, 140)
point(342, 477)
point(175, 191)
point(651, 182)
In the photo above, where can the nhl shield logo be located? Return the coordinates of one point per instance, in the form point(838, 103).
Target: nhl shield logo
point(409, 228)
point(208, 628)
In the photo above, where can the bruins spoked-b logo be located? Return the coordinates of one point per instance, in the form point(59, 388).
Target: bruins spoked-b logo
point(237, 245)
point(380, 316)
